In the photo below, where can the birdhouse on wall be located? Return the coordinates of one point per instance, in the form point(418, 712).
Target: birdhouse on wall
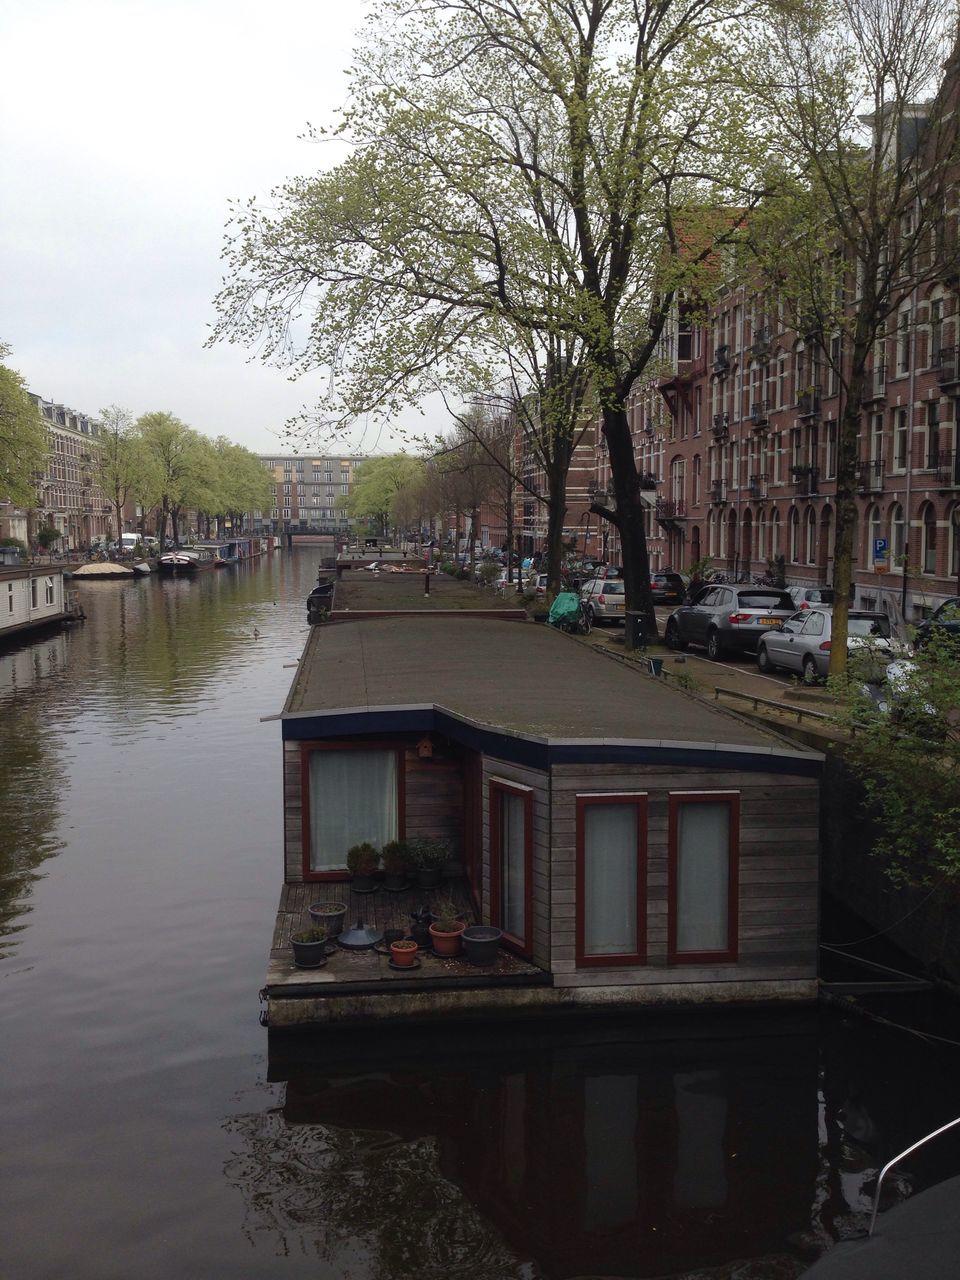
point(425, 749)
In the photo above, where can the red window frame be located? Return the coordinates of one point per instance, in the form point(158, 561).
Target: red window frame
point(306, 750)
point(498, 787)
point(638, 957)
point(732, 801)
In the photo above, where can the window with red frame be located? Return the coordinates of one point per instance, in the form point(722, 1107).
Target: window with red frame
point(611, 879)
point(351, 794)
point(703, 881)
point(511, 862)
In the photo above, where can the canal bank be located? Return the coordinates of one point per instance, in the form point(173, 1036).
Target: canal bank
point(153, 1128)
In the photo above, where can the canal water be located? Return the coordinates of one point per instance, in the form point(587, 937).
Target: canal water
point(151, 1128)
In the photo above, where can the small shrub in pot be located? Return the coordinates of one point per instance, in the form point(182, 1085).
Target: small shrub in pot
point(397, 858)
point(363, 862)
point(429, 857)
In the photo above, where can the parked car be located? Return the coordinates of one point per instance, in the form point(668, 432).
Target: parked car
point(538, 584)
point(605, 598)
point(667, 588)
point(806, 597)
point(728, 619)
point(944, 621)
point(802, 643)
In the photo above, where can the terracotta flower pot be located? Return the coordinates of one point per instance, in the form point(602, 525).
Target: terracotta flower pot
point(403, 953)
point(447, 943)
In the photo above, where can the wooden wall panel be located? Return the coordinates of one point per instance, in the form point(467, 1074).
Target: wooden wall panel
point(779, 871)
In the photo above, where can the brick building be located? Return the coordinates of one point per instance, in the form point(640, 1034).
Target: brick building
point(69, 496)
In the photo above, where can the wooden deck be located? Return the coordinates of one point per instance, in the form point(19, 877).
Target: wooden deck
point(369, 972)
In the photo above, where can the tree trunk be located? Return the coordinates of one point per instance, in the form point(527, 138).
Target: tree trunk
point(629, 517)
point(556, 513)
point(474, 523)
point(846, 520)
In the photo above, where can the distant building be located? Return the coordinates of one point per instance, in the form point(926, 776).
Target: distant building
point(69, 497)
point(308, 493)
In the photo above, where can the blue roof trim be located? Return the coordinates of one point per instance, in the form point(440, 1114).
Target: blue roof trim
point(533, 752)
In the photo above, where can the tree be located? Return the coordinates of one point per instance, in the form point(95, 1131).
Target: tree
point(241, 483)
point(518, 169)
point(118, 460)
point(377, 483)
point(23, 438)
point(908, 759)
point(173, 465)
point(861, 198)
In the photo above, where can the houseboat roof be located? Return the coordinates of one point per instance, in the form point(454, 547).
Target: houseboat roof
point(511, 679)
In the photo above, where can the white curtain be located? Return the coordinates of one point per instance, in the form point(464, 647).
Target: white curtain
point(353, 797)
point(513, 863)
point(610, 879)
point(703, 861)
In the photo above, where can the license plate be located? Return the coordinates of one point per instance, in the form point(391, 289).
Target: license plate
point(767, 622)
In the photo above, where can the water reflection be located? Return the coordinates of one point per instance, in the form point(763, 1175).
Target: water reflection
point(640, 1150)
point(33, 782)
point(96, 705)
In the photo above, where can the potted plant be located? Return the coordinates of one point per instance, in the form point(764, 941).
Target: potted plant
point(420, 929)
point(446, 928)
point(363, 862)
point(403, 953)
point(396, 865)
point(480, 943)
point(428, 857)
point(309, 948)
point(328, 916)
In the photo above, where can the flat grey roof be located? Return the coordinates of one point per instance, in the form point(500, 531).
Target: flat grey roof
point(526, 678)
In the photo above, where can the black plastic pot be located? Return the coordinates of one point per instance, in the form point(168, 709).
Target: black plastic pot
point(363, 884)
point(480, 944)
point(428, 877)
point(309, 955)
point(395, 884)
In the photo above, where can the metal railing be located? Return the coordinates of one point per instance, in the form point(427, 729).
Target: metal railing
point(870, 475)
point(759, 414)
point(948, 468)
point(808, 403)
point(757, 487)
point(896, 1159)
point(670, 509)
point(806, 480)
point(946, 364)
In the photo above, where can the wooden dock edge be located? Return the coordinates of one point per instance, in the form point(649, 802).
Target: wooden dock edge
point(492, 1003)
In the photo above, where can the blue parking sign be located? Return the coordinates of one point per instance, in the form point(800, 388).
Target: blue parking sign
point(879, 548)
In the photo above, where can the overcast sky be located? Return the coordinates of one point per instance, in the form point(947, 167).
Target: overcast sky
point(127, 127)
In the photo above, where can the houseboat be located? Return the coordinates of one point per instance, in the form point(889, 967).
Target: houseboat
point(634, 844)
point(34, 597)
point(186, 561)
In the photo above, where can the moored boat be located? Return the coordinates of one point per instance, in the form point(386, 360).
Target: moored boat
point(186, 561)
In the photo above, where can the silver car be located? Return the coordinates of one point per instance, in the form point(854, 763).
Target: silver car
point(728, 619)
point(604, 598)
point(802, 643)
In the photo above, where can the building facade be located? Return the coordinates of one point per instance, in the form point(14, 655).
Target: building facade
point(69, 497)
point(308, 493)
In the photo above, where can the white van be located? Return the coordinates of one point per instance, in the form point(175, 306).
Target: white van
point(128, 541)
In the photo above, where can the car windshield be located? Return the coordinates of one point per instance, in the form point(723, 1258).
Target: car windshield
point(611, 588)
point(765, 600)
point(819, 595)
point(868, 626)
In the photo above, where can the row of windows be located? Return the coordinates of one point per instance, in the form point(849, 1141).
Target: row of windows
point(357, 794)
